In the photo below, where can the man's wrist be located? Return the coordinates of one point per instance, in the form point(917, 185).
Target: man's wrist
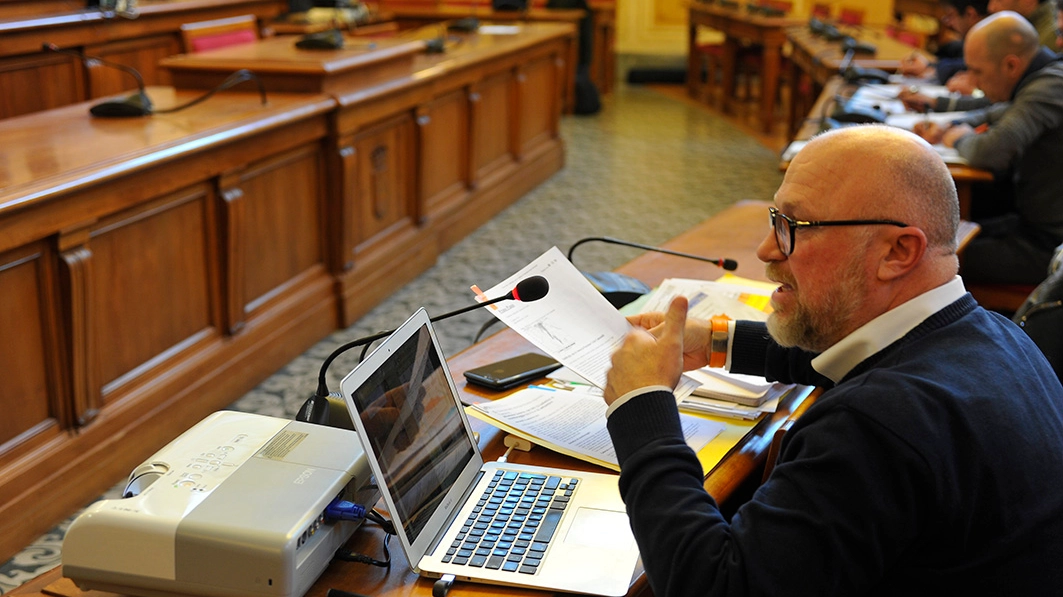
point(628, 396)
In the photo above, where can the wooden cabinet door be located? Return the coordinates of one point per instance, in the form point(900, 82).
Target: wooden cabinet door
point(493, 126)
point(443, 156)
point(142, 54)
point(273, 231)
point(150, 291)
point(378, 174)
point(33, 400)
point(39, 82)
point(538, 84)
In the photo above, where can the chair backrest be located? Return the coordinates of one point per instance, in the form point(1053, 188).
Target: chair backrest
point(1041, 316)
point(851, 16)
point(218, 33)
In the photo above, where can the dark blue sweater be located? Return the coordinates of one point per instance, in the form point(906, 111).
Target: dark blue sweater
point(934, 468)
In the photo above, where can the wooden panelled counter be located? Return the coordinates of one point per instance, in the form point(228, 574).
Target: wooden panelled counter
point(154, 269)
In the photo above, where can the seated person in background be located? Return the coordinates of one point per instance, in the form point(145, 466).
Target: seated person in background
point(1059, 27)
point(1024, 137)
point(929, 465)
point(957, 16)
point(1040, 13)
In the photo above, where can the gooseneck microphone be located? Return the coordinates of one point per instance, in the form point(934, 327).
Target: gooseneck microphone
point(316, 408)
point(727, 264)
point(137, 104)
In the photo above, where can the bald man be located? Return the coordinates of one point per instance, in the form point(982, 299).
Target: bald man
point(929, 466)
point(1024, 141)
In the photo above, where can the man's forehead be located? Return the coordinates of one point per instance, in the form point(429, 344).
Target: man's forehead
point(819, 178)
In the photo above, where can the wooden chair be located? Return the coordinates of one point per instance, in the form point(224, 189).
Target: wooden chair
point(1006, 298)
point(708, 56)
point(218, 33)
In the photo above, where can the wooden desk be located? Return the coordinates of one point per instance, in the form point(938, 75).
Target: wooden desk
point(740, 26)
point(32, 80)
point(965, 176)
point(162, 266)
point(603, 20)
point(734, 233)
point(818, 60)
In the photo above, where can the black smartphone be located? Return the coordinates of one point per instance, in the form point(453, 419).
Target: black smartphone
point(509, 373)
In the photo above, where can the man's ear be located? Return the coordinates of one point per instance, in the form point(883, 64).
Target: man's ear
point(906, 249)
point(1012, 66)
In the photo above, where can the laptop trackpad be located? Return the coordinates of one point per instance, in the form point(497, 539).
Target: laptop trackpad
point(607, 529)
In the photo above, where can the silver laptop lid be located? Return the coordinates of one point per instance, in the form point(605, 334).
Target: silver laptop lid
point(418, 442)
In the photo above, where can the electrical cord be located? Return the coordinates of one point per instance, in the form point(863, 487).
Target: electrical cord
point(232, 80)
point(341, 509)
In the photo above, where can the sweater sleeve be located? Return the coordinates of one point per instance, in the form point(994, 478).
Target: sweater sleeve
point(1035, 109)
point(804, 533)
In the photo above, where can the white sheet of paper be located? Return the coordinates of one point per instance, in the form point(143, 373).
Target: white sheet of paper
point(706, 299)
point(573, 323)
point(575, 421)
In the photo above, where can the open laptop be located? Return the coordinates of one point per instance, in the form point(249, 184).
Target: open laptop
point(490, 522)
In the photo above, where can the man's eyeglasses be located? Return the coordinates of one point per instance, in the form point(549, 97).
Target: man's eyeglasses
point(785, 227)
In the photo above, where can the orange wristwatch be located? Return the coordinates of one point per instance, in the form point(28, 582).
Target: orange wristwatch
point(718, 344)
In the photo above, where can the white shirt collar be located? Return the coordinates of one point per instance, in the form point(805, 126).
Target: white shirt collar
point(838, 360)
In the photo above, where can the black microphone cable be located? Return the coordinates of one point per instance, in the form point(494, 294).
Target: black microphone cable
point(232, 80)
point(315, 409)
point(727, 264)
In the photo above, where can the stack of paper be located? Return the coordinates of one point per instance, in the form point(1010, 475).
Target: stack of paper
point(749, 390)
point(572, 422)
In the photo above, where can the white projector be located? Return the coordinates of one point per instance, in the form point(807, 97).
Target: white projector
point(232, 507)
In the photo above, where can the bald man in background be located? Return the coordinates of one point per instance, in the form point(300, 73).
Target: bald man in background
point(930, 464)
point(1024, 141)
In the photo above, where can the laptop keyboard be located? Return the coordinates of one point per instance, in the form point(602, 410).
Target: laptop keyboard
point(512, 523)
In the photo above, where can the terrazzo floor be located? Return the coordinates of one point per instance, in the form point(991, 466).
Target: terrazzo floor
point(647, 167)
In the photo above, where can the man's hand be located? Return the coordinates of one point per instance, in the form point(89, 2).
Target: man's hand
point(931, 131)
point(915, 65)
point(914, 100)
point(962, 83)
point(651, 357)
point(697, 335)
point(953, 134)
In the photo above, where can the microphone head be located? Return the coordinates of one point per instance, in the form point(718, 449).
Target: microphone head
point(531, 289)
point(729, 265)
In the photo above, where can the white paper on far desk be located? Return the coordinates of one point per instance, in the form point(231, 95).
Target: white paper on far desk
point(573, 423)
point(573, 323)
point(706, 299)
point(908, 120)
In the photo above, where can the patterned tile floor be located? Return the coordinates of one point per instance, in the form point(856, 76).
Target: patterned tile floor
point(646, 168)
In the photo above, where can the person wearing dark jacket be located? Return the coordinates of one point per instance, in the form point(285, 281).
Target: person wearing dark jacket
point(1022, 139)
point(930, 464)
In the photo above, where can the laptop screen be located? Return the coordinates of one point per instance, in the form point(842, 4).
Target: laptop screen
point(414, 427)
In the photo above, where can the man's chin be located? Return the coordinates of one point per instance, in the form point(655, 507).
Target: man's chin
point(778, 329)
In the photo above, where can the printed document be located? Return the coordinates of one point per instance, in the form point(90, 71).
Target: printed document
point(573, 323)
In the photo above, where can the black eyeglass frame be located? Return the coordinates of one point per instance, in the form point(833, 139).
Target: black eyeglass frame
point(792, 225)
